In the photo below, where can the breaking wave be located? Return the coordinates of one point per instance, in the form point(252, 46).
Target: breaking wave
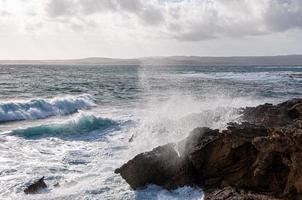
point(42, 108)
point(78, 126)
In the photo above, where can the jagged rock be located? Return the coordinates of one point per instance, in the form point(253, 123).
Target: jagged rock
point(229, 193)
point(262, 155)
point(36, 187)
point(153, 167)
point(270, 115)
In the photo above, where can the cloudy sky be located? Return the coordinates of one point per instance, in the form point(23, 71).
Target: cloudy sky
point(50, 29)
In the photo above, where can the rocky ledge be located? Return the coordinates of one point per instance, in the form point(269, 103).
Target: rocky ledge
point(260, 158)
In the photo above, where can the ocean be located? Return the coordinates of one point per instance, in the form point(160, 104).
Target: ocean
point(72, 123)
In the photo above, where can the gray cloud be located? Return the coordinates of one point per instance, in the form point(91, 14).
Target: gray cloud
point(190, 20)
point(58, 8)
point(245, 20)
point(282, 15)
point(151, 16)
point(34, 27)
point(146, 13)
point(89, 7)
point(4, 13)
point(76, 27)
point(131, 5)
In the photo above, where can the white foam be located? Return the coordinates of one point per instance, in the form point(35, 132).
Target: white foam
point(153, 192)
point(43, 108)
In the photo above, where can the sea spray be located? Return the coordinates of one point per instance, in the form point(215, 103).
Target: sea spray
point(172, 120)
point(43, 108)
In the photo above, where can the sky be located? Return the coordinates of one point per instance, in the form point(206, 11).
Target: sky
point(62, 29)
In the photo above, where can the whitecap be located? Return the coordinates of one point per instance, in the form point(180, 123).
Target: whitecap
point(43, 108)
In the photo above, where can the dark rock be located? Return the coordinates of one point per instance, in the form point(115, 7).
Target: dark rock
point(131, 138)
point(57, 184)
point(295, 76)
point(158, 166)
point(262, 156)
point(36, 187)
point(270, 115)
point(295, 111)
point(229, 193)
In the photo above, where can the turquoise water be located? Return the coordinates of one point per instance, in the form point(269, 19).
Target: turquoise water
point(72, 124)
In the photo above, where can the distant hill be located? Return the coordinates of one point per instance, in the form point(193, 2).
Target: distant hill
point(172, 60)
point(238, 60)
point(84, 61)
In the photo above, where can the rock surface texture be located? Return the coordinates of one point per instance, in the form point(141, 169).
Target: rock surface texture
point(260, 158)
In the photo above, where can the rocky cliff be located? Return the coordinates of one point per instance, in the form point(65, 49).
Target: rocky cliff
point(260, 158)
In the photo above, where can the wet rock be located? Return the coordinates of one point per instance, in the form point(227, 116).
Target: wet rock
point(36, 187)
point(295, 76)
point(131, 138)
point(158, 166)
point(262, 156)
point(57, 184)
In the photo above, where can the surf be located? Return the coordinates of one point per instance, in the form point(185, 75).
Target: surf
point(44, 108)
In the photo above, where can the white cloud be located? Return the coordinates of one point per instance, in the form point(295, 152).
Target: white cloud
point(142, 23)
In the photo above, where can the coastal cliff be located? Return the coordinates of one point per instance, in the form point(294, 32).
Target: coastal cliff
point(260, 158)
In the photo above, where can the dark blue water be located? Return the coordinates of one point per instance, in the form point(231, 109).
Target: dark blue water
point(123, 83)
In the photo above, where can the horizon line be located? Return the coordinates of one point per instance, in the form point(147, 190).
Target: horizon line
point(146, 57)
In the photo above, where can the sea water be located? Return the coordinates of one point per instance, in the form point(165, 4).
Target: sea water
point(72, 124)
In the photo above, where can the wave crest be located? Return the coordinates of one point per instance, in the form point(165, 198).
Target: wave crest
point(80, 125)
point(41, 108)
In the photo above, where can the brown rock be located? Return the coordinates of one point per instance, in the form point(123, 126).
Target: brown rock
point(270, 115)
point(229, 193)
